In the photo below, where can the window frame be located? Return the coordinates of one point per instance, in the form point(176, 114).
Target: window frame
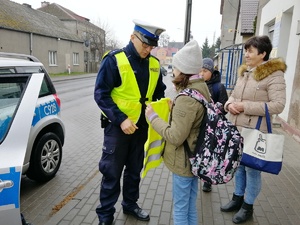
point(52, 56)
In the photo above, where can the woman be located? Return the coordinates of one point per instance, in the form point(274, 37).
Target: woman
point(261, 81)
point(185, 120)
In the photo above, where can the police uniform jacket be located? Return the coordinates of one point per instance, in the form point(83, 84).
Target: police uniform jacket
point(185, 120)
point(108, 78)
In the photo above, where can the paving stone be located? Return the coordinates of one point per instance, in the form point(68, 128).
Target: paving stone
point(278, 202)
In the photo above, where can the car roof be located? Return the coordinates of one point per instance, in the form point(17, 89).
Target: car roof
point(14, 59)
point(5, 62)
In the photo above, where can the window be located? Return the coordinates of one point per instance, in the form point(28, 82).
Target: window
point(271, 31)
point(11, 90)
point(75, 58)
point(52, 58)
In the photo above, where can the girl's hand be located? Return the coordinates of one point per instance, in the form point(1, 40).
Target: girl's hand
point(170, 102)
point(149, 111)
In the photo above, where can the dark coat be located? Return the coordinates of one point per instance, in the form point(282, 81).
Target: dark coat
point(222, 95)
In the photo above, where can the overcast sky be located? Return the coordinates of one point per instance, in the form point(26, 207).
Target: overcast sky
point(169, 14)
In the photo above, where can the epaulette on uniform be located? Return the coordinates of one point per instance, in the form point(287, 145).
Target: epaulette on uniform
point(115, 51)
point(112, 52)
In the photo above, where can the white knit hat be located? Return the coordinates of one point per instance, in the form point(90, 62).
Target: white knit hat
point(188, 60)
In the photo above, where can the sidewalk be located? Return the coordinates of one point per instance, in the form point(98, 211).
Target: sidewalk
point(70, 77)
point(278, 202)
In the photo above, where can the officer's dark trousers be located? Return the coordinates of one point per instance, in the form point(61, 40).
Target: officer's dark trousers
point(120, 150)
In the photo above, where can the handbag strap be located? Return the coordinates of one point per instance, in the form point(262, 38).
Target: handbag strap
point(268, 120)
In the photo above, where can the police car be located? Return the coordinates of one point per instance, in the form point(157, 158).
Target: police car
point(18, 96)
point(43, 154)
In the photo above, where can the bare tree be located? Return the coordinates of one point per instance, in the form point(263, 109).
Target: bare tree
point(111, 42)
point(99, 37)
point(94, 40)
point(164, 40)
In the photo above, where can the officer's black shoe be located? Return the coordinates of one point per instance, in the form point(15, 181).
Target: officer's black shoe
point(234, 204)
point(105, 223)
point(245, 213)
point(206, 187)
point(138, 213)
point(108, 222)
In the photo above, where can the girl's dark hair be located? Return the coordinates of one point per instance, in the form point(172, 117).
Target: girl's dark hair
point(262, 43)
point(181, 81)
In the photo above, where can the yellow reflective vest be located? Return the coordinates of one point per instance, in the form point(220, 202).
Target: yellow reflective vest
point(127, 96)
point(155, 143)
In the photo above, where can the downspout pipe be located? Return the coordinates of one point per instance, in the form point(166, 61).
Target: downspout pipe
point(30, 44)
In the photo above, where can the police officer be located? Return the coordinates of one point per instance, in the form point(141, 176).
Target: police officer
point(127, 80)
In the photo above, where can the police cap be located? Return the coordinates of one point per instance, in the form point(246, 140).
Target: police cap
point(149, 33)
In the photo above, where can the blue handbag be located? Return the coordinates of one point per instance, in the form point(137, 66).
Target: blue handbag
point(262, 151)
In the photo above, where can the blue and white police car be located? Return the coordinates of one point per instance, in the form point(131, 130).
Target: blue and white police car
point(18, 96)
point(43, 154)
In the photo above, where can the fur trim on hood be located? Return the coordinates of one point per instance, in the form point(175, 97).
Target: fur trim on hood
point(264, 70)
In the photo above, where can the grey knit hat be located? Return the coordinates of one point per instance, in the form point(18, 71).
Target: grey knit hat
point(208, 64)
point(188, 60)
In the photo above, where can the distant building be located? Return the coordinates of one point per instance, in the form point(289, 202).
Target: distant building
point(165, 54)
point(58, 38)
point(277, 19)
point(92, 36)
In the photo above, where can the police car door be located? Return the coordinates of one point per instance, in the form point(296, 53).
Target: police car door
point(18, 97)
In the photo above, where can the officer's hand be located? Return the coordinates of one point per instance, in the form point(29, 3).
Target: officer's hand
point(128, 127)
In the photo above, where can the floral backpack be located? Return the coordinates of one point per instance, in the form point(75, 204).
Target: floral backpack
point(219, 145)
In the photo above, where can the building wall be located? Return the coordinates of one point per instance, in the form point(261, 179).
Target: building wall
point(39, 46)
point(80, 29)
point(261, 4)
point(229, 20)
point(284, 15)
point(161, 54)
point(15, 42)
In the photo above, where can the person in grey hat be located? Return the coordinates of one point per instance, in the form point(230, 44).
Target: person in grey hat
point(184, 124)
point(217, 90)
point(128, 78)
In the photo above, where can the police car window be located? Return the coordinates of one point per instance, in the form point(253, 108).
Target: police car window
point(32, 69)
point(45, 90)
point(35, 69)
point(11, 90)
point(7, 70)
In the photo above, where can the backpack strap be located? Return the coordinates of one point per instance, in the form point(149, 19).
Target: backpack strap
point(195, 94)
point(199, 97)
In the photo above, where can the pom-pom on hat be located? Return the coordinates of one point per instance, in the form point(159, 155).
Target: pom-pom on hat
point(188, 60)
point(149, 33)
point(208, 64)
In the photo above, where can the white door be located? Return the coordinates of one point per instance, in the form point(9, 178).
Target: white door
point(18, 97)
